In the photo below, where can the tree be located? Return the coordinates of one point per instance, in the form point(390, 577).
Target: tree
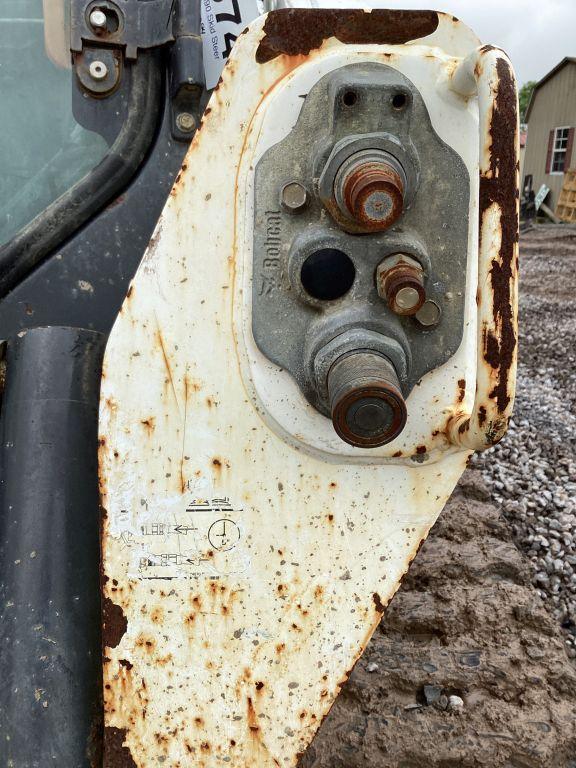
point(524, 96)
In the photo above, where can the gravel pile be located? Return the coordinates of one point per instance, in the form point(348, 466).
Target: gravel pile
point(532, 472)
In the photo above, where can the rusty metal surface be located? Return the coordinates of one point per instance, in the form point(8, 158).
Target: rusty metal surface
point(373, 194)
point(368, 409)
point(497, 297)
point(244, 572)
point(295, 32)
point(398, 274)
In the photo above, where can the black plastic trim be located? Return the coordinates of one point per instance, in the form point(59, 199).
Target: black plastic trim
point(34, 243)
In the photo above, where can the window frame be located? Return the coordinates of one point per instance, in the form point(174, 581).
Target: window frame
point(556, 152)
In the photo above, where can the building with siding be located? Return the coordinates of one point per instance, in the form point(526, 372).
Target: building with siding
point(551, 118)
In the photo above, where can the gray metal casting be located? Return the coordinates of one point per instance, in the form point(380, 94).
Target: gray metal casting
point(290, 327)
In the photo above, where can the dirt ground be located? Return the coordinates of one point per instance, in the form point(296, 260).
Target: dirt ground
point(467, 621)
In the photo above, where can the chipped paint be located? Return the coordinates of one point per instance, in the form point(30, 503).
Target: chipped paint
point(489, 72)
point(117, 754)
point(114, 623)
point(298, 31)
point(247, 559)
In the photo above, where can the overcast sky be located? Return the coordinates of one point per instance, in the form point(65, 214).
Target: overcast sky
point(536, 34)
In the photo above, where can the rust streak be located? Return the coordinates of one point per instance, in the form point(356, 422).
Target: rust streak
point(498, 186)
point(481, 416)
point(252, 717)
point(149, 424)
point(298, 31)
point(255, 731)
point(167, 364)
point(182, 478)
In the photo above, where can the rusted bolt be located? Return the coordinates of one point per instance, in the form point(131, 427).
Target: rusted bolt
point(366, 402)
point(98, 70)
point(186, 122)
point(98, 20)
point(369, 187)
point(400, 282)
point(429, 314)
point(294, 197)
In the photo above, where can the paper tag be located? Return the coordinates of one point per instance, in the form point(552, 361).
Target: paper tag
point(222, 22)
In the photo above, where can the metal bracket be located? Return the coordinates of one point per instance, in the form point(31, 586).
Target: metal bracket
point(99, 70)
point(131, 25)
point(105, 33)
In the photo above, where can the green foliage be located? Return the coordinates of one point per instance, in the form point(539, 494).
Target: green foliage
point(524, 97)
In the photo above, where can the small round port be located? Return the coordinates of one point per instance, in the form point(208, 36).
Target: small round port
point(350, 98)
point(399, 101)
point(327, 274)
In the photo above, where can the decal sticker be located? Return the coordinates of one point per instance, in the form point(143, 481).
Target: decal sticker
point(222, 22)
point(184, 539)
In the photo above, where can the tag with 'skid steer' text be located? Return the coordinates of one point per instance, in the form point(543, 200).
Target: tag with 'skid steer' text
point(222, 22)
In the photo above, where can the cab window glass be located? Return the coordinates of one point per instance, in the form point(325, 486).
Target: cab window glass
point(43, 150)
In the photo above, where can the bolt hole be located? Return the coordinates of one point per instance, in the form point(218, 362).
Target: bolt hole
point(113, 22)
point(327, 274)
point(350, 98)
point(399, 101)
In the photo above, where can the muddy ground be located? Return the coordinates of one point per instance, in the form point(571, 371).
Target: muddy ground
point(468, 621)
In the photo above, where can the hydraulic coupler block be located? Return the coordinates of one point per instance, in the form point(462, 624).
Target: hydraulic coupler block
point(380, 242)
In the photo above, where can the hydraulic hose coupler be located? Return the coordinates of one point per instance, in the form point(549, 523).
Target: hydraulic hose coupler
point(366, 403)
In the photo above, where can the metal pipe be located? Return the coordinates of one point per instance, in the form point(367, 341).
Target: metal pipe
point(50, 637)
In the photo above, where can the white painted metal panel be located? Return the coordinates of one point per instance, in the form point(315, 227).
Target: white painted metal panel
point(248, 553)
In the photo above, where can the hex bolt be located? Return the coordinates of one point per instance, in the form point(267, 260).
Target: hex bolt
point(294, 197)
point(98, 20)
point(400, 282)
point(186, 122)
point(98, 70)
point(366, 402)
point(429, 314)
point(369, 187)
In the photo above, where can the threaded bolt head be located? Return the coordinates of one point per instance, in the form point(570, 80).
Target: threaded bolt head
point(186, 122)
point(429, 314)
point(400, 282)
point(98, 20)
point(98, 70)
point(294, 197)
point(370, 187)
point(366, 401)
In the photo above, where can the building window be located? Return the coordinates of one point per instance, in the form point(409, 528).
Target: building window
point(559, 151)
